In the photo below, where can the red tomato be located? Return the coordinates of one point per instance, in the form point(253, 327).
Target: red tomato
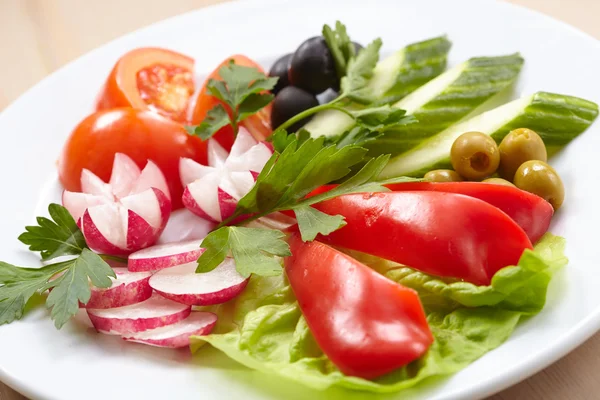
point(258, 124)
point(443, 234)
point(151, 79)
point(365, 323)
point(142, 135)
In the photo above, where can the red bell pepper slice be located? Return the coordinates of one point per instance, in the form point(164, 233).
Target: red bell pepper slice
point(443, 234)
point(531, 212)
point(365, 323)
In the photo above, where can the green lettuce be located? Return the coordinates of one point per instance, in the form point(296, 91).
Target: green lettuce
point(264, 329)
point(518, 288)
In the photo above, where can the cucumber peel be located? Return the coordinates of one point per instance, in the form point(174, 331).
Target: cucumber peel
point(393, 78)
point(449, 98)
point(408, 69)
point(557, 118)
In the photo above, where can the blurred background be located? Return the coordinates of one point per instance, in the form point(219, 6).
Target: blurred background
point(39, 36)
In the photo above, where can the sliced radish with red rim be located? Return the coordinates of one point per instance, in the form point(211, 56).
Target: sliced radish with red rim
point(153, 313)
point(184, 225)
point(177, 335)
point(164, 256)
point(212, 192)
point(184, 285)
point(125, 215)
point(127, 289)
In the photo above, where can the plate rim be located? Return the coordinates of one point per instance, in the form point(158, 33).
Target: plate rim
point(530, 365)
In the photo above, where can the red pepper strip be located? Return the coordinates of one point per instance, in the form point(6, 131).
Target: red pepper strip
point(365, 323)
point(443, 234)
point(531, 212)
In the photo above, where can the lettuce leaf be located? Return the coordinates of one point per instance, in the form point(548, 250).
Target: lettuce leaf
point(264, 329)
point(518, 288)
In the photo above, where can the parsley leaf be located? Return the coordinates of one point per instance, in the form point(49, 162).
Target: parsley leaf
point(19, 285)
point(216, 248)
point(360, 70)
point(73, 286)
point(240, 92)
point(70, 280)
point(312, 222)
point(339, 45)
point(296, 172)
point(377, 119)
point(11, 274)
point(357, 135)
point(54, 238)
point(216, 118)
point(254, 250)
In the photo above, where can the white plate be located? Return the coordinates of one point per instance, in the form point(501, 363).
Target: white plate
point(76, 363)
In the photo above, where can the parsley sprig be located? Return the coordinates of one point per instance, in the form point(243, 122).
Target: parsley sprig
point(303, 165)
point(241, 92)
point(355, 70)
point(69, 281)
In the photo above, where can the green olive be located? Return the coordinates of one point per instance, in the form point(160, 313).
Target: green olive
point(474, 155)
point(539, 178)
point(442, 175)
point(498, 181)
point(517, 147)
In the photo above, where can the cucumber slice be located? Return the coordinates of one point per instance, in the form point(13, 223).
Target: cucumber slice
point(409, 68)
point(447, 99)
point(393, 78)
point(557, 118)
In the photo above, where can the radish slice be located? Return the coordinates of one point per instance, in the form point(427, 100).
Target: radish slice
point(183, 225)
point(164, 256)
point(217, 155)
point(190, 170)
point(244, 142)
point(212, 192)
point(124, 173)
point(128, 288)
point(91, 184)
point(153, 313)
point(177, 335)
point(151, 177)
point(125, 215)
point(77, 202)
point(182, 284)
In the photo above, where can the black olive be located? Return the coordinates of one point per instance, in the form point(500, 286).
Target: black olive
point(280, 70)
point(291, 101)
point(312, 67)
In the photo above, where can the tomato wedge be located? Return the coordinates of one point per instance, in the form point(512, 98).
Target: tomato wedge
point(259, 124)
point(365, 323)
point(142, 135)
point(153, 79)
point(530, 212)
point(443, 234)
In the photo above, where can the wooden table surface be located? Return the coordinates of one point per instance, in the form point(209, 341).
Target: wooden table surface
point(52, 32)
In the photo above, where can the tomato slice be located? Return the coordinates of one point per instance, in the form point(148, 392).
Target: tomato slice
point(259, 124)
point(153, 79)
point(142, 135)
